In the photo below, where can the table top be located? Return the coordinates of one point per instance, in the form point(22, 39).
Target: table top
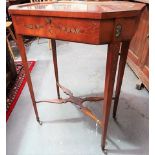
point(78, 9)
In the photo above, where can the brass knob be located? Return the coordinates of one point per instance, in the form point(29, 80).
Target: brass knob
point(118, 30)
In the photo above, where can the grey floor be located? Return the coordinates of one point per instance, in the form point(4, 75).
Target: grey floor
point(65, 130)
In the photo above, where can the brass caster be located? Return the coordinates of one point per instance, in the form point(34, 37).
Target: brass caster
point(104, 150)
point(38, 120)
point(40, 123)
point(114, 117)
point(139, 85)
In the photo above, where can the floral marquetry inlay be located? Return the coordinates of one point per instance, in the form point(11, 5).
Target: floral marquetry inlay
point(70, 29)
point(33, 26)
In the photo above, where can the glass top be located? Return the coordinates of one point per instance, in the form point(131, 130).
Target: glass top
point(78, 6)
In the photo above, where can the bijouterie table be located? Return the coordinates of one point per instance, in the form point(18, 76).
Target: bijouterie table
point(97, 23)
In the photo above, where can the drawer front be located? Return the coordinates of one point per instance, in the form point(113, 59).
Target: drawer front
point(78, 30)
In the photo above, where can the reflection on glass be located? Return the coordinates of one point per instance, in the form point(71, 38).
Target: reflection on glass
point(79, 6)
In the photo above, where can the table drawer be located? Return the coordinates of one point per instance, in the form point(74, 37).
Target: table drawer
point(78, 30)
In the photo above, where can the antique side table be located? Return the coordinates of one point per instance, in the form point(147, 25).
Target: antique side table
point(112, 23)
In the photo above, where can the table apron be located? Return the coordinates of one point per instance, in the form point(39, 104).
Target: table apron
point(91, 31)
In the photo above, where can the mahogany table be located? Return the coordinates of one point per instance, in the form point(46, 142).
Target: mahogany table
point(112, 23)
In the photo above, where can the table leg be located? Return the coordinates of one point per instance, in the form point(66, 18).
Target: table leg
point(27, 73)
point(53, 43)
point(121, 68)
point(111, 66)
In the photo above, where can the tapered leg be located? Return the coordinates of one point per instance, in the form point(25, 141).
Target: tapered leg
point(121, 67)
point(111, 66)
point(27, 73)
point(53, 43)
